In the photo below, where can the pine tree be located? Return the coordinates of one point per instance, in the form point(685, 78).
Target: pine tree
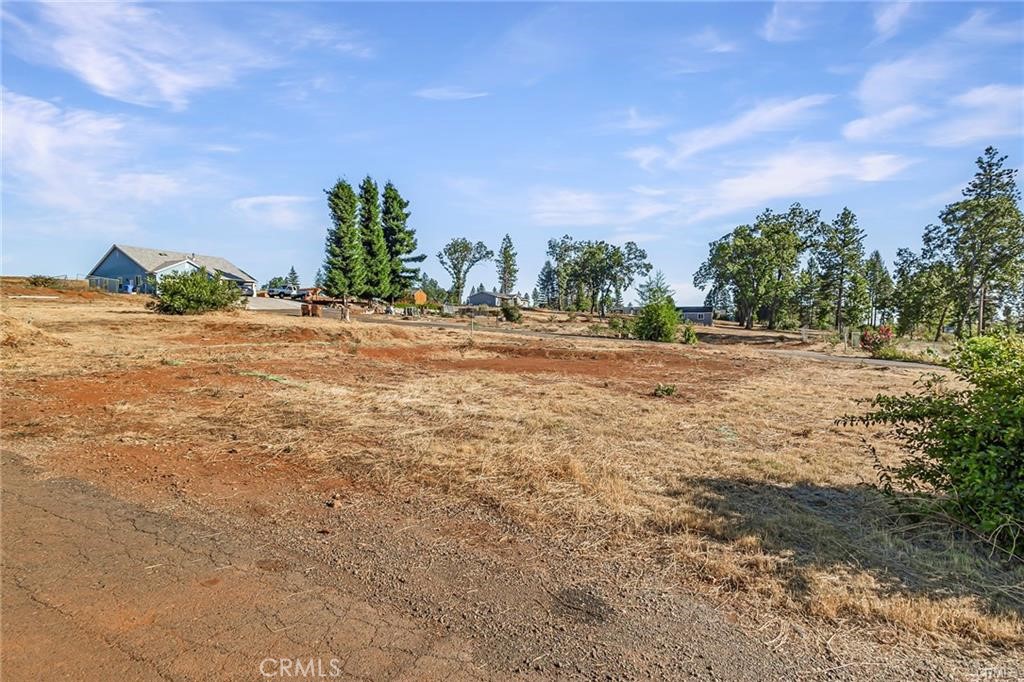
point(508, 270)
point(538, 301)
point(879, 288)
point(400, 240)
point(840, 255)
point(547, 287)
point(981, 239)
point(344, 267)
point(318, 280)
point(375, 248)
point(293, 277)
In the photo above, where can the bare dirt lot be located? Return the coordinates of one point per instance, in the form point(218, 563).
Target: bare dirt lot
point(185, 498)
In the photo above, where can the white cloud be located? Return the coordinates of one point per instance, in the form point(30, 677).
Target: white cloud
point(810, 170)
point(765, 117)
point(870, 127)
point(449, 93)
point(645, 157)
point(981, 114)
point(889, 84)
point(79, 167)
point(560, 207)
point(979, 29)
point(787, 22)
point(631, 121)
point(130, 52)
point(709, 40)
point(279, 211)
point(889, 17)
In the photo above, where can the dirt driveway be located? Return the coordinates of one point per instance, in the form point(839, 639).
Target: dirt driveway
point(97, 588)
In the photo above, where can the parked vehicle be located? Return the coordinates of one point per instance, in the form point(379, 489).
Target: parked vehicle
point(248, 290)
point(287, 291)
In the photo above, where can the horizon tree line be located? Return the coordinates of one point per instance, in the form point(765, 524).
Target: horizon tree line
point(793, 268)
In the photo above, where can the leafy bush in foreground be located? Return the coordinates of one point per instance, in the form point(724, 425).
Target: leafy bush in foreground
point(657, 321)
point(965, 446)
point(191, 293)
point(511, 313)
point(689, 334)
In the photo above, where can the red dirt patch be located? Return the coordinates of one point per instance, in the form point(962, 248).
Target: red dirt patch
point(217, 333)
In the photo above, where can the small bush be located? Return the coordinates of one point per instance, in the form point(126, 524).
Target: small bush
point(965, 446)
point(191, 293)
point(875, 340)
point(511, 313)
point(657, 321)
point(664, 390)
point(688, 335)
point(43, 281)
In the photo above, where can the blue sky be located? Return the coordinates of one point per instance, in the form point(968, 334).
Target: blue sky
point(214, 127)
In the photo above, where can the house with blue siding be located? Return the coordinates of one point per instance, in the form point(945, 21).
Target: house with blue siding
point(136, 268)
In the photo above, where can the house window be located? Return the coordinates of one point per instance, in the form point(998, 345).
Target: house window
point(700, 316)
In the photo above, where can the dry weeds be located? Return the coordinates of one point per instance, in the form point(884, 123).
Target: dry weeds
point(739, 486)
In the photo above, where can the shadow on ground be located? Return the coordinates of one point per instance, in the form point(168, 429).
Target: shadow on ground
point(833, 529)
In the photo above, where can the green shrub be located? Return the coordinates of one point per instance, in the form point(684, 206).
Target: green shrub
point(875, 341)
point(191, 293)
point(688, 335)
point(664, 390)
point(657, 321)
point(43, 281)
point(511, 313)
point(965, 446)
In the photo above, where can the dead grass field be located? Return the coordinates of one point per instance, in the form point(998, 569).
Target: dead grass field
point(739, 486)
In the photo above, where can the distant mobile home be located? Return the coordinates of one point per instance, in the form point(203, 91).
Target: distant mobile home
point(492, 299)
point(697, 314)
point(135, 267)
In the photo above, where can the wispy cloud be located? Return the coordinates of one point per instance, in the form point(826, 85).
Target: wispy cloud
point(449, 93)
point(709, 40)
point(770, 116)
point(979, 28)
point(80, 167)
point(293, 31)
point(788, 21)
point(803, 171)
point(892, 83)
point(279, 211)
point(889, 18)
point(561, 207)
point(877, 125)
point(632, 121)
point(981, 114)
point(129, 52)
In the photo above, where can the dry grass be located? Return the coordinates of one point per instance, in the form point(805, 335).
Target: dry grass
point(739, 486)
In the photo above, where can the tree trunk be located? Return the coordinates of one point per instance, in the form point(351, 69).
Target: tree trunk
point(942, 322)
point(981, 310)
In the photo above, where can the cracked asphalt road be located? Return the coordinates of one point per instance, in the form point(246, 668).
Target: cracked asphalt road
point(98, 588)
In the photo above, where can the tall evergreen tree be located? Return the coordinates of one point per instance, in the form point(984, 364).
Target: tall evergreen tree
point(879, 288)
point(344, 267)
point(293, 277)
point(981, 240)
point(400, 240)
point(318, 280)
point(547, 287)
point(508, 270)
point(840, 255)
point(375, 248)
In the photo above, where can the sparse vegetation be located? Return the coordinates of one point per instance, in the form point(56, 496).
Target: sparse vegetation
point(196, 292)
point(688, 334)
point(511, 313)
point(664, 390)
point(965, 446)
point(45, 281)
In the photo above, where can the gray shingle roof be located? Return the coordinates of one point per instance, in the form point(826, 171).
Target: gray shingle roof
point(154, 259)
